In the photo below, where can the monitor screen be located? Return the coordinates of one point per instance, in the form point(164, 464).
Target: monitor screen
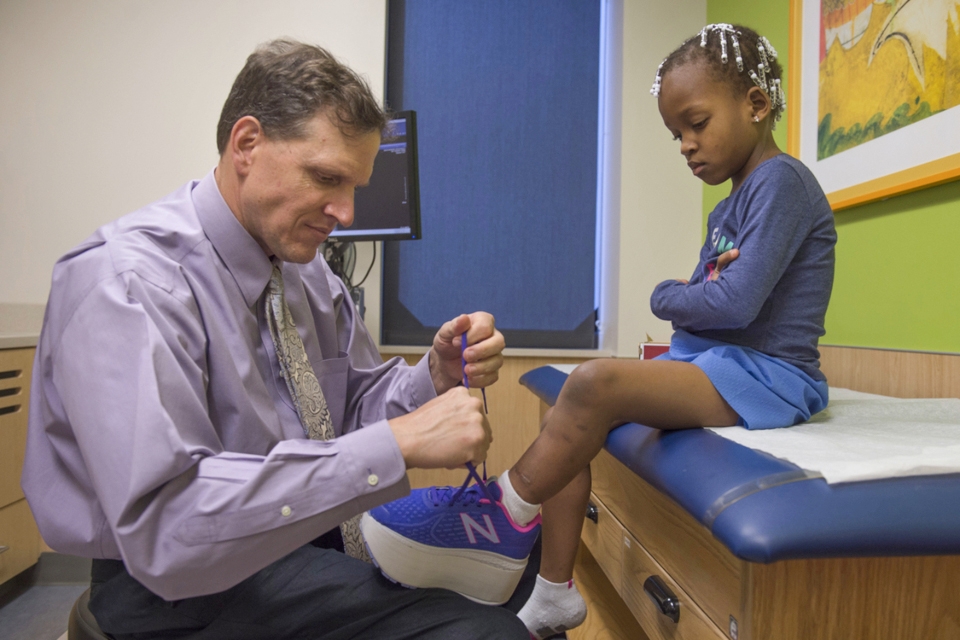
point(389, 207)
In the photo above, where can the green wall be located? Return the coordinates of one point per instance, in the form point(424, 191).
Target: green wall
point(898, 260)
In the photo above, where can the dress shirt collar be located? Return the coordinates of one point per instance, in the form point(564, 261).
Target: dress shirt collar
point(243, 257)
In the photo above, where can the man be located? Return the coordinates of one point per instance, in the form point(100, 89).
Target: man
point(191, 348)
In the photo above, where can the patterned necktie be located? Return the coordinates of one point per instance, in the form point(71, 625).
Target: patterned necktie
point(305, 390)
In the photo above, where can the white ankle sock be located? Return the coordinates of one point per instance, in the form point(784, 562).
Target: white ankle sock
point(553, 608)
point(520, 510)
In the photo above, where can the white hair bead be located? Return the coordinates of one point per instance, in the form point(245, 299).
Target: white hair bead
point(765, 52)
point(655, 90)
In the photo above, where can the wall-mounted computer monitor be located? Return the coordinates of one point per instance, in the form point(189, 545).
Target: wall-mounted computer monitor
point(389, 207)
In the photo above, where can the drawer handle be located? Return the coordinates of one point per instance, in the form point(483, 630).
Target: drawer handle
point(592, 512)
point(3, 548)
point(661, 595)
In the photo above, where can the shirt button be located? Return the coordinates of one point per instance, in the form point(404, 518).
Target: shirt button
point(285, 511)
point(372, 480)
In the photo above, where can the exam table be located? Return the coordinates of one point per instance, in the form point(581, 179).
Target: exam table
point(703, 538)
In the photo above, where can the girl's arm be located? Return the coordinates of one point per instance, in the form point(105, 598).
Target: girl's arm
point(776, 221)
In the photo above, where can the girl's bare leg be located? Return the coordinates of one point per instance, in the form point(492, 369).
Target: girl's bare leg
point(598, 396)
point(555, 471)
point(601, 394)
point(556, 604)
point(562, 521)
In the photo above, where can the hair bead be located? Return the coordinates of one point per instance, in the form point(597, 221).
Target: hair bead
point(759, 76)
point(655, 90)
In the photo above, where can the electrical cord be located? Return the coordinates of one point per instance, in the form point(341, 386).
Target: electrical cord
point(342, 258)
point(370, 268)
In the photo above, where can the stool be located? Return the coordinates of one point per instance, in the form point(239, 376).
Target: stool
point(82, 625)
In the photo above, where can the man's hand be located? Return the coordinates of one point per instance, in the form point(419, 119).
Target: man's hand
point(449, 431)
point(484, 353)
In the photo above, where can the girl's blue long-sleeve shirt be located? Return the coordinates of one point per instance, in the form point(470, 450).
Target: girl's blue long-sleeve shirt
point(774, 296)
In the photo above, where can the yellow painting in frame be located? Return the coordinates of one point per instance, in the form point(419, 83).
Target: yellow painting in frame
point(876, 102)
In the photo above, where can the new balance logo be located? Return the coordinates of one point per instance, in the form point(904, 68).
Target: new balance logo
point(470, 525)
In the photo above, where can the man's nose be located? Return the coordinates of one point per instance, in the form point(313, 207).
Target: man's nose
point(341, 208)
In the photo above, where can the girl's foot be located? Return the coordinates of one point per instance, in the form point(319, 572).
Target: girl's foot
point(553, 608)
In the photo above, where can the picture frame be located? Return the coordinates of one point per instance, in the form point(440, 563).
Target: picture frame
point(922, 150)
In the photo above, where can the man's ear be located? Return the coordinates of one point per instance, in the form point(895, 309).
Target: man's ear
point(759, 103)
point(245, 136)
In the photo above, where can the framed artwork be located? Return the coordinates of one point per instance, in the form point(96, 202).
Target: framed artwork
point(874, 95)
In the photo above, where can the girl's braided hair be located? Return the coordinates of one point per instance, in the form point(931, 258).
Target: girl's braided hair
point(735, 55)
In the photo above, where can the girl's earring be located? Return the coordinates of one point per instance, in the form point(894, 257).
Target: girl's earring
point(756, 118)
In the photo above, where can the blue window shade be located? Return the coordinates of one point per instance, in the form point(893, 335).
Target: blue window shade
point(506, 94)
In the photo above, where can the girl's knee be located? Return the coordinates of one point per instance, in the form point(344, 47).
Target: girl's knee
point(589, 383)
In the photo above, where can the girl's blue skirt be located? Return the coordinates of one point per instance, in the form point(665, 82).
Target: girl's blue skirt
point(764, 391)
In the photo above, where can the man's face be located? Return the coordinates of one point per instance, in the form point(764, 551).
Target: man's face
point(296, 191)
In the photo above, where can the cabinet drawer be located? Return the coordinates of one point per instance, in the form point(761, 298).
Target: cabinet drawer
point(19, 539)
point(15, 369)
point(692, 624)
point(687, 551)
point(604, 539)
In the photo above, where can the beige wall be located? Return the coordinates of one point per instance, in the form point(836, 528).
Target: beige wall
point(660, 202)
point(106, 105)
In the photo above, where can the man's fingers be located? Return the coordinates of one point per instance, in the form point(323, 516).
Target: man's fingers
point(446, 432)
point(481, 326)
point(483, 339)
point(486, 347)
point(450, 331)
point(484, 373)
point(453, 328)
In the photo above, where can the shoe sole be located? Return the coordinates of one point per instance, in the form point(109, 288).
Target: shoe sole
point(482, 576)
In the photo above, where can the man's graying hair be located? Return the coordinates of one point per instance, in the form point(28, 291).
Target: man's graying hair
point(285, 83)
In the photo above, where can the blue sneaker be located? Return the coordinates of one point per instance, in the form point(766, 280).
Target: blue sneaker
point(460, 539)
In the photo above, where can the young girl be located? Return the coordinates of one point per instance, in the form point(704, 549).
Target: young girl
point(744, 351)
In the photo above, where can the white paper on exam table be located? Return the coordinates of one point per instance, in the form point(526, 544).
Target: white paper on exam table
point(861, 436)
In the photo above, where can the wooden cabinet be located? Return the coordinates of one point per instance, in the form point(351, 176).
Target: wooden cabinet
point(19, 538)
point(641, 536)
point(640, 533)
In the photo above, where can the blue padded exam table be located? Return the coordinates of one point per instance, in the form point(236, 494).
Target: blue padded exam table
point(751, 546)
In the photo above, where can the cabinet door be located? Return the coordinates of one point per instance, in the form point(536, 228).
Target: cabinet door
point(603, 535)
point(15, 369)
point(687, 551)
point(691, 622)
point(19, 539)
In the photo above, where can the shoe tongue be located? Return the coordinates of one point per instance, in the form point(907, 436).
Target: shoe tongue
point(439, 494)
point(494, 488)
point(446, 495)
point(472, 493)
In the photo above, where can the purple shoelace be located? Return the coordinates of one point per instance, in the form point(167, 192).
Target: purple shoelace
point(472, 470)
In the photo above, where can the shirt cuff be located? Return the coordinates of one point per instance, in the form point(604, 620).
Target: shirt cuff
point(377, 457)
point(337, 478)
point(421, 382)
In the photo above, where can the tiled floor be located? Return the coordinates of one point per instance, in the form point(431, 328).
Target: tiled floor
point(39, 613)
point(36, 604)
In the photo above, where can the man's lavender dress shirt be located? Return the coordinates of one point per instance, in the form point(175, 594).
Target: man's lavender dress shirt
point(161, 431)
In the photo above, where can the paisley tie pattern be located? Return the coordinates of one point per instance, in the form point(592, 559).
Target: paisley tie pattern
point(305, 390)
